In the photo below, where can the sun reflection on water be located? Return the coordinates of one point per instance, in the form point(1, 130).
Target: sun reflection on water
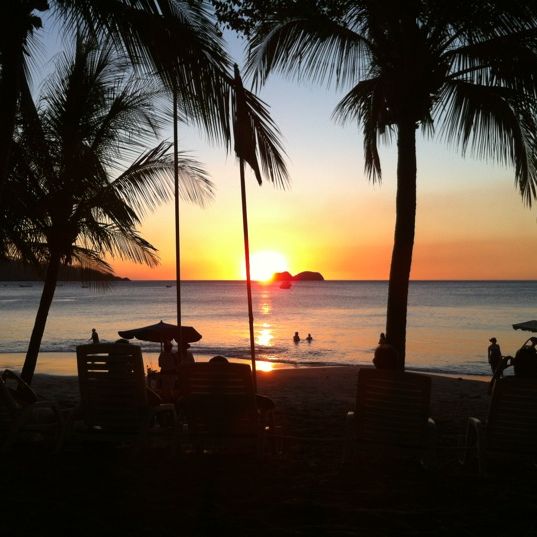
point(265, 336)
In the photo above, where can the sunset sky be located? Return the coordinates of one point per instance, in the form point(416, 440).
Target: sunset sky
point(471, 222)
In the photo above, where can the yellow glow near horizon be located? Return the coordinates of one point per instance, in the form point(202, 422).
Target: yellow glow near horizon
point(264, 264)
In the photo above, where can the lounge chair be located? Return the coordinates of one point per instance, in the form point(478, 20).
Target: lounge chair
point(114, 403)
point(391, 416)
point(24, 416)
point(218, 407)
point(511, 427)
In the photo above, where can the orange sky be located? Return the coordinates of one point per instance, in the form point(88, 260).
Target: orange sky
point(471, 222)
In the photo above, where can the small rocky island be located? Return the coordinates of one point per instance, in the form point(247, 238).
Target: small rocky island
point(306, 276)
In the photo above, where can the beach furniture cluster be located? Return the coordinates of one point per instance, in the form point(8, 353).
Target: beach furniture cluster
point(219, 411)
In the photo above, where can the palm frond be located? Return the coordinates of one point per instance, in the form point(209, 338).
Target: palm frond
point(149, 180)
point(176, 39)
point(317, 49)
point(257, 135)
point(496, 124)
point(366, 104)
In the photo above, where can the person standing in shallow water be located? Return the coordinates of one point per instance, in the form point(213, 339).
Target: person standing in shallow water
point(296, 338)
point(94, 336)
point(494, 354)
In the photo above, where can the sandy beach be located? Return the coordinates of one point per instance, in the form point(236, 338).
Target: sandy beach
point(304, 491)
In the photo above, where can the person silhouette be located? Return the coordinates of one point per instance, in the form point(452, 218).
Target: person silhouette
point(296, 338)
point(309, 339)
point(168, 363)
point(186, 356)
point(386, 356)
point(494, 354)
point(94, 336)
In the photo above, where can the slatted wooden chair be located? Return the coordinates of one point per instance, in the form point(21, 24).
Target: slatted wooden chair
point(24, 416)
point(114, 402)
point(510, 430)
point(218, 407)
point(391, 416)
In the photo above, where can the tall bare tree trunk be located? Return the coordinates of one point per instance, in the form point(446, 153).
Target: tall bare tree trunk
point(403, 245)
point(49, 287)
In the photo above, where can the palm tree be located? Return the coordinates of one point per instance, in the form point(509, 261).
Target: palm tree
point(175, 39)
point(255, 135)
point(467, 69)
point(74, 203)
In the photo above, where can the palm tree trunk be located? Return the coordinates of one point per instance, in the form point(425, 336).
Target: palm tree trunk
point(248, 277)
point(51, 278)
point(405, 224)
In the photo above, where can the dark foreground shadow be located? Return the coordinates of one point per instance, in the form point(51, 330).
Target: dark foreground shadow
point(100, 491)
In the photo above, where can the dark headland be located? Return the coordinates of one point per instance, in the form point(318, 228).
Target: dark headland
point(306, 276)
point(12, 271)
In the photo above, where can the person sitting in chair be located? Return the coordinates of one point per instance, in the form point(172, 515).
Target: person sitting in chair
point(386, 356)
point(167, 362)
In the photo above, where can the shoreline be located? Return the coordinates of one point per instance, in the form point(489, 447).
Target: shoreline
point(62, 363)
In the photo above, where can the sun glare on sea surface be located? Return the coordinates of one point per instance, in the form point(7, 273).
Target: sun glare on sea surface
point(264, 264)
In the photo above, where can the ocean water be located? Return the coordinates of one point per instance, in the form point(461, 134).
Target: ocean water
point(449, 323)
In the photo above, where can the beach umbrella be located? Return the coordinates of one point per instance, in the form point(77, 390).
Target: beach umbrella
point(253, 133)
point(161, 332)
point(528, 326)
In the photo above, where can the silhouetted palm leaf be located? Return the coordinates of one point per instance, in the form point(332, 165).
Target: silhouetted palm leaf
point(72, 204)
point(256, 135)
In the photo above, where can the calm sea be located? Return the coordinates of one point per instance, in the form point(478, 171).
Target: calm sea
point(449, 323)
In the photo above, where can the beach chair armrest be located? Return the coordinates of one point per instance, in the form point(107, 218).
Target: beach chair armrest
point(23, 393)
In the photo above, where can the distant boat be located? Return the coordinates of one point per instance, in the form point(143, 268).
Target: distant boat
point(285, 285)
point(25, 285)
point(84, 286)
point(168, 286)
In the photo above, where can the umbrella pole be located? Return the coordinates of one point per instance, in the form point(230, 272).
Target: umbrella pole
point(248, 280)
point(177, 229)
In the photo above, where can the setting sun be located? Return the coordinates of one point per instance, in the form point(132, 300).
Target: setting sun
point(264, 264)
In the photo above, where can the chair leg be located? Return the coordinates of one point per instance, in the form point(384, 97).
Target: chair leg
point(429, 460)
point(349, 443)
point(475, 444)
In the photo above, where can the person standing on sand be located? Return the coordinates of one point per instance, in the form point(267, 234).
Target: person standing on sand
point(186, 357)
point(94, 336)
point(494, 354)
